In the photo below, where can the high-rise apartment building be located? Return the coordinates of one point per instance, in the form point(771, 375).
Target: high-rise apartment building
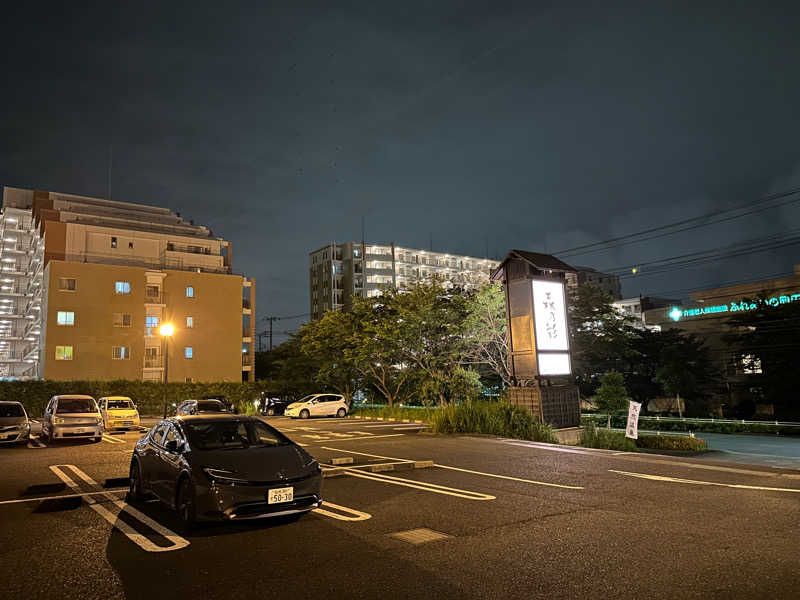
point(87, 282)
point(608, 282)
point(337, 272)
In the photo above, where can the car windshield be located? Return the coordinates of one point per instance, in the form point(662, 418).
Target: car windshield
point(76, 405)
point(11, 410)
point(215, 435)
point(120, 404)
point(210, 406)
point(307, 398)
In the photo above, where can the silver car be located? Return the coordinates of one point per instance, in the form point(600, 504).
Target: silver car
point(70, 417)
point(14, 424)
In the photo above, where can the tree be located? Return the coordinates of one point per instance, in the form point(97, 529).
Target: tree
point(376, 352)
point(766, 342)
point(601, 337)
point(611, 395)
point(330, 342)
point(486, 331)
point(685, 369)
point(288, 370)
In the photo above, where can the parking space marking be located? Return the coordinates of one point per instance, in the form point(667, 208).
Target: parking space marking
point(36, 443)
point(81, 495)
point(348, 514)
point(112, 440)
point(419, 485)
point(435, 464)
point(738, 486)
point(137, 538)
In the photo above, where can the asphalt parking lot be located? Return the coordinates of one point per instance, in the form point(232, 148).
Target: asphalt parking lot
point(413, 515)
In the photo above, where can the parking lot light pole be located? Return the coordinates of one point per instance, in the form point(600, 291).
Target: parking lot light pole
point(166, 331)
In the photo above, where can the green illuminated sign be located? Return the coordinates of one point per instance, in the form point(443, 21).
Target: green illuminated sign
point(676, 314)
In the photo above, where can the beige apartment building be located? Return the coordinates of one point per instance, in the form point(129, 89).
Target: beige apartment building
point(100, 277)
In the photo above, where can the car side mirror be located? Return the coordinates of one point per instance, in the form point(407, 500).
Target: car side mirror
point(172, 446)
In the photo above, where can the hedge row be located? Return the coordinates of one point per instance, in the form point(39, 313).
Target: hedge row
point(620, 421)
point(597, 437)
point(672, 442)
point(148, 396)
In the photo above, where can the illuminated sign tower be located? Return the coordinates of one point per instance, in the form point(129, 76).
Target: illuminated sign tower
point(538, 336)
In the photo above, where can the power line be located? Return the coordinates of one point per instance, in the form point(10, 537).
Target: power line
point(691, 224)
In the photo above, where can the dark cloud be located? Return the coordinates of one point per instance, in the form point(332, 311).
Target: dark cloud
point(509, 124)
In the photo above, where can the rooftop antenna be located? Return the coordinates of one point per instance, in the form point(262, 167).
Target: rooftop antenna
point(110, 164)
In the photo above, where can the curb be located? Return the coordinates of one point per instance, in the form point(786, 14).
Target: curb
point(405, 466)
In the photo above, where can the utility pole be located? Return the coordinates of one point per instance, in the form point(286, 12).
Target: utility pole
point(271, 321)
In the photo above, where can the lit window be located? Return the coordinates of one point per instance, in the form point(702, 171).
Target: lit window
point(189, 322)
point(120, 352)
point(66, 283)
point(189, 291)
point(150, 325)
point(122, 320)
point(122, 287)
point(63, 352)
point(113, 242)
point(66, 318)
point(187, 352)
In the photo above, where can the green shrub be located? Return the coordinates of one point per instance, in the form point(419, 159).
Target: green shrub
point(672, 442)
point(651, 423)
point(594, 437)
point(492, 418)
point(148, 396)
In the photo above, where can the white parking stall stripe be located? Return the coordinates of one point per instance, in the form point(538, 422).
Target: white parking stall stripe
point(140, 540)
point(59, 497)
point(710, 483)
point(350, 514)
point(112, 440)
point(419, 485)
point(36, 443)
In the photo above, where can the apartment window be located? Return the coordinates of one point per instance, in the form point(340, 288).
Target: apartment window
point(113, 242)
point(122, 320)
point(130, 245)
point(189, 291)
point(122, 287)
point(65, 318)
point(150, 325)
point(120, 352)
point(63, 352)
point(66, 284)
point(152, 291)
point(188, 352)
point(189, 322)
point(190, 380)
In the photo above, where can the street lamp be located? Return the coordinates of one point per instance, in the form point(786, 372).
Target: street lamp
point(166, 331)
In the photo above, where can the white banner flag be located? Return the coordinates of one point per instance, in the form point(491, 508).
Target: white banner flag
point(632, 429)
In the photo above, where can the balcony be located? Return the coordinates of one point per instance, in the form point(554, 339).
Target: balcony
point(155, 297)
point(245, 303)
point(246, 332)
point(154, 363)
point(246, 361)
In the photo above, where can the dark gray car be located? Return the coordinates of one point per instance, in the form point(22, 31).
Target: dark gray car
point(14, 424)
point(224, 467)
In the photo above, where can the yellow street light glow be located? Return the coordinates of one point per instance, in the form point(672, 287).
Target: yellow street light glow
point(166, 330)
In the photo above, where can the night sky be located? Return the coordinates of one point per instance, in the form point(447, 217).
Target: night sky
point(539, 126)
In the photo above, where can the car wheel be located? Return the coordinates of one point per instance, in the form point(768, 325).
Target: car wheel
point(135, 483)
point(185, 504)
point(271, 412)
point(341, 413)
point(304, 414)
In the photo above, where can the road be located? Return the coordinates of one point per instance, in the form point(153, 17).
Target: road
point(498, 519)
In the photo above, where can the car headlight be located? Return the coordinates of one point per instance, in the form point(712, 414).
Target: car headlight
point(223, 476)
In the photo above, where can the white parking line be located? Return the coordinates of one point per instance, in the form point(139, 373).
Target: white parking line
point(140, 540)
point(112, 440)
point(81, 495)
point(419, 485)
point(36, 443)
point(711, 483)
point(350, 514)
point(509, 477)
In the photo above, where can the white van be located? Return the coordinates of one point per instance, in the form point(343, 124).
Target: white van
point(72, 416)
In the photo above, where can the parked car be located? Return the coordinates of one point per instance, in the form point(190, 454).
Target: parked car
point(318, 405)
point(70, 417)
point(196, 407)
point(224, 467)
point(119, 412)
point(274, 405)
point(229, 406)
point(14, 424)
